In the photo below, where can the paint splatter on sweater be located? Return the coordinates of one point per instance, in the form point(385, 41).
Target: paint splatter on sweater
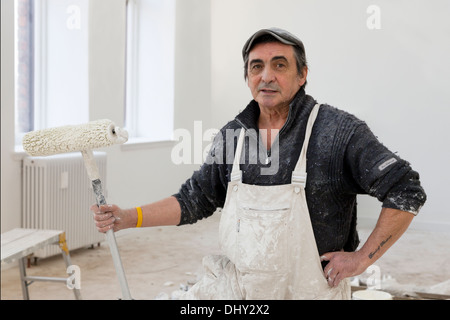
point(344, 158)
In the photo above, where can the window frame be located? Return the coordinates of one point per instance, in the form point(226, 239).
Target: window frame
point(40, 67)
point(132, 108)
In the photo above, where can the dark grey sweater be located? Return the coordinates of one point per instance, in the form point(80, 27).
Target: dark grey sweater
point(344, 159)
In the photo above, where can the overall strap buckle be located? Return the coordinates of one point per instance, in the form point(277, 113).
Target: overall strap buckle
point(236, 176)
point(299, 178)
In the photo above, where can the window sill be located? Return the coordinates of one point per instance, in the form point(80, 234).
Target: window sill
point(145, 143)
point(132, 144)
point(19, 153)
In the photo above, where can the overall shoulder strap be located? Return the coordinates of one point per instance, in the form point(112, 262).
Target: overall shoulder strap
point(236, 173)
point(299, 173)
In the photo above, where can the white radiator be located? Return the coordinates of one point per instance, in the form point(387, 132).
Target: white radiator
point(57, 194)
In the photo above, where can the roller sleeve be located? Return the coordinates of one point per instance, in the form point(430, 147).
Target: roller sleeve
point(71, 138)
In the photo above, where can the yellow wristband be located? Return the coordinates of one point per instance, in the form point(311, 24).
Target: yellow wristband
point(139, 221)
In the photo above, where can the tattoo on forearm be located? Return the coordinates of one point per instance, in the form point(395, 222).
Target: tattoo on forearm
point(382, 243)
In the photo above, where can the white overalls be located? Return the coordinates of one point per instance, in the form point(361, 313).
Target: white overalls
point(268, 242)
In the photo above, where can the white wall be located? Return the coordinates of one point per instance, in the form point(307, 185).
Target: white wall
point(394, 78)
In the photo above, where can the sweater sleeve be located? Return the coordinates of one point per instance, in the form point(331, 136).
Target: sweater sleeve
point(205, 190)
point(382, 173)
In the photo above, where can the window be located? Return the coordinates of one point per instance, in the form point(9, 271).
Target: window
point(51, 64)
point(150, 69)
point(24, 67)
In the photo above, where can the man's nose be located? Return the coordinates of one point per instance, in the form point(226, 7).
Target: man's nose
point(268, 75)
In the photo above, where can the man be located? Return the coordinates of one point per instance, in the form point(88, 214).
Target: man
point(286, 172)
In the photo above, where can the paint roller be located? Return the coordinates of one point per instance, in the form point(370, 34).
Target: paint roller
point(84, 138)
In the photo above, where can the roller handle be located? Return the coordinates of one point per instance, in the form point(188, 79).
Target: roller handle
point(110, 237)
point(98, 191)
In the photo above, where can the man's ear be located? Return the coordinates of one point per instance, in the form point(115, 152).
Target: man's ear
point(302, 78)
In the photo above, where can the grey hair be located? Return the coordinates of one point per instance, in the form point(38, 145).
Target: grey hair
point(299, 55)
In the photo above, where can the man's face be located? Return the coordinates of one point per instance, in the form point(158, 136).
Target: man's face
point(273, 78)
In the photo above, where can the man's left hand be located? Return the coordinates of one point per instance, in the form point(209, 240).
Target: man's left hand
point(342, 265)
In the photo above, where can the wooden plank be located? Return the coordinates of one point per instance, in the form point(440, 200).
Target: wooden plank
point(19, 243)
point(14, 235)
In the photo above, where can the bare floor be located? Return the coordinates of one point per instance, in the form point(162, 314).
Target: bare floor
point(158, 261)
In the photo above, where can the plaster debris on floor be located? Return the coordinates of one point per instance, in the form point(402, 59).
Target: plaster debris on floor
point(163, 262)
